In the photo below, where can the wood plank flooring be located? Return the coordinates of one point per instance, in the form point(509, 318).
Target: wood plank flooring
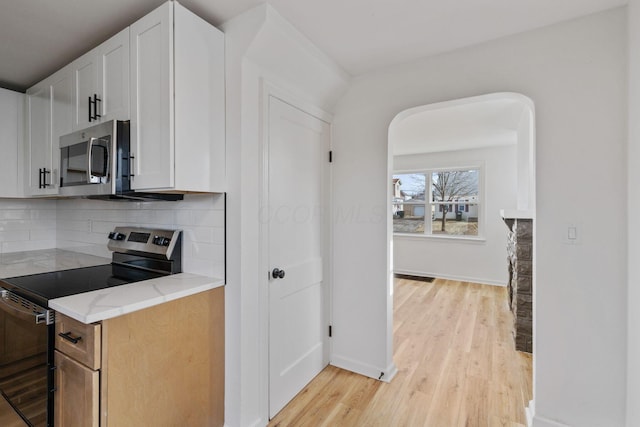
point(457, 367)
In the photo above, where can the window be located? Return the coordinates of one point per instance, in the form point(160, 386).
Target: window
point(437, 202)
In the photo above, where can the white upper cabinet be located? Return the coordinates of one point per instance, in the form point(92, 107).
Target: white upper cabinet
point(101, 83)
point(165, 73)
point(48, 116)
point(177, 102)
point(11, 134)
point(113, 77)
point(38, 138)
point(85, 76)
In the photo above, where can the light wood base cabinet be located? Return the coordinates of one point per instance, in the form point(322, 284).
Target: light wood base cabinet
point(77, 393)
point(161, 366)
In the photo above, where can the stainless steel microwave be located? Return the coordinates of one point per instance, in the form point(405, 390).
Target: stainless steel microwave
point(88, 160)
point(95, 163)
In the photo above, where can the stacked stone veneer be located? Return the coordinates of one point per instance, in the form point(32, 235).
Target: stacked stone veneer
point(520, 257)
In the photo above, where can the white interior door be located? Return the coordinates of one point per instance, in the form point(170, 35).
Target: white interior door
point(298, 164)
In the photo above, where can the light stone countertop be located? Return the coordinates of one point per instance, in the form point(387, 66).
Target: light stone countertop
point(102, 304)
point(112, 302)
point(44, 261)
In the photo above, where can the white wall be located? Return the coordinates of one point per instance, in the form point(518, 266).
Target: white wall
point(526, 161)
point(633, 191)
point(82, 226)
point(480, 261)
point(264, 53)
point(575, 73)
point(27, 225)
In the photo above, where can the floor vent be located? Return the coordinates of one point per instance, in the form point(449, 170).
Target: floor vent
point(418, 278)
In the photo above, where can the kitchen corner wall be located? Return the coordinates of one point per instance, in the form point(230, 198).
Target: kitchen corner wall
point(82, 226)
point(27, 225)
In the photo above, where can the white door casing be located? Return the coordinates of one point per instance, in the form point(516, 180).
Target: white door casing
point(297, 189)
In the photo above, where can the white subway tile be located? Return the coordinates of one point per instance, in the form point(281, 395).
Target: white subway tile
point(18, 224)
point(207, 218)
point(14, 235)
point(28, 245)
point(207, 251)
point(37, 234)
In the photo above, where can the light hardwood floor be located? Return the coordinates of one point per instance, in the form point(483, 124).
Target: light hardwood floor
point(456, 360)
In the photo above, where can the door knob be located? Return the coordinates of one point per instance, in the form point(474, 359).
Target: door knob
point(277, 273)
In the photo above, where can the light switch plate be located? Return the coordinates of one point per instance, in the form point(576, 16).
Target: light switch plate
point(572, 234)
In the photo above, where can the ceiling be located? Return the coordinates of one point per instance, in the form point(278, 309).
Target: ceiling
point(479, 123)
point(40, 36)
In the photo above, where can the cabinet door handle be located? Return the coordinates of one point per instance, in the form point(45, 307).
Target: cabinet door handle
point(90, 115)
point(96, 116)
point(132, 159)
point(44, 177)
point(67, 336)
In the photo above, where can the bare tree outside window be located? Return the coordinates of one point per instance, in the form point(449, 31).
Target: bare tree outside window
point(436, 202)
point(449, 187)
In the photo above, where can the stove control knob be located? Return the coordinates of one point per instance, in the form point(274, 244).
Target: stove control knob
point(116, 236)
point(161, 241)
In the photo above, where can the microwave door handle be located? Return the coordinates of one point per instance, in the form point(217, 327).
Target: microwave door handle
point(89, 149)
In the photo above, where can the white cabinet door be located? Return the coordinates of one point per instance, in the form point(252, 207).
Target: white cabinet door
point(152, 137)
point(49, 116)
point(38, 147)
point(113, 77)
point(101, 83)
point(11, 107)
point(61, 117)
point(85, 75)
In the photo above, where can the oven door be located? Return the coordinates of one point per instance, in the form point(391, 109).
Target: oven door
point(26, 359)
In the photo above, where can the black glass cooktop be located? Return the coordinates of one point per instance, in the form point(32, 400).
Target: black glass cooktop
point(40, 288)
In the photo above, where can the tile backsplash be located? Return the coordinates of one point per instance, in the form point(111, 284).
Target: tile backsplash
point(27, 225)
point(82, 226)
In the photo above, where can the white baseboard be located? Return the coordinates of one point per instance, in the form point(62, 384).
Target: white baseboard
point(390, 372)
point(365, 369)
point(530, 412)
point(451, 277)
point(256, 423)
point(545, 422)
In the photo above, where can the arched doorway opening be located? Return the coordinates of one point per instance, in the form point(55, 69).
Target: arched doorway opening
point(461, 235)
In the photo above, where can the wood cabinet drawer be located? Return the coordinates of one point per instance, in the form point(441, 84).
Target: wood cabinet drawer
point(77, 394)
point(78, 340)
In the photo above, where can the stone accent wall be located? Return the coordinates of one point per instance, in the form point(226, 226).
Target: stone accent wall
point(520, 257)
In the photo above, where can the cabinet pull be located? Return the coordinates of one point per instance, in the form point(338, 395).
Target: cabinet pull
point(131, 163)
point(67, 336)
point(42, 177)
point(94, 102)
point(96, 116)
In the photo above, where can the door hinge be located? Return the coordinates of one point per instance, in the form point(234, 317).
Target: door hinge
point(330, 331)
point(330, 156)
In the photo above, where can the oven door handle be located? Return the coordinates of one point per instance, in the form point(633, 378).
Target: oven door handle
point(24, 309)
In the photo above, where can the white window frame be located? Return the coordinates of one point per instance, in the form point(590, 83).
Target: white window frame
point(428, 232)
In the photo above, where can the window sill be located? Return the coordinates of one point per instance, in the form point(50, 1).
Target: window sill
point(465, 239)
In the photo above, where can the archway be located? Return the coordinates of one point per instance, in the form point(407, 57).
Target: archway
point(493, 135)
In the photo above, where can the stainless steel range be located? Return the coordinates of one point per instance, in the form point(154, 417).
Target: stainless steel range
point(26, 356)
